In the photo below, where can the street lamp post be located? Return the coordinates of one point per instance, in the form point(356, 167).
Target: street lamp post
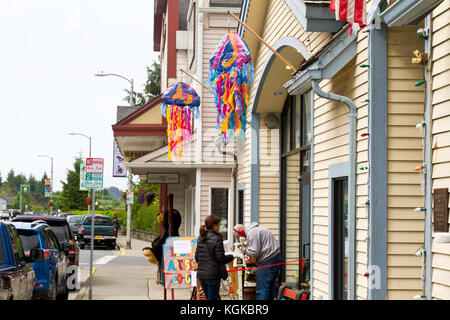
point(91, 260)
point(51, 177)
point(90, 149)
point(130, 183)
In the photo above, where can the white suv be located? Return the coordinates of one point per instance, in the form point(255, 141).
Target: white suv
point(4, 215)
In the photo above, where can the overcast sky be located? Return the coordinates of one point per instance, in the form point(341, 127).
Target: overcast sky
point(49, 53)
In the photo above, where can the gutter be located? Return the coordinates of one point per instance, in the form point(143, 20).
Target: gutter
point(351, 180)
point(428, 164)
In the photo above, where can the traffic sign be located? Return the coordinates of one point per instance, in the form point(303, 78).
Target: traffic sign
point(94, 165)
point(94, 180)
point(24, 187)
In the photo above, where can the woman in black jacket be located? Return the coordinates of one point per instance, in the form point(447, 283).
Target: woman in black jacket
point(210, 257)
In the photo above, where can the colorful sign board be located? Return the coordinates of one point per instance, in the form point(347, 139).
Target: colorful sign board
point(94, 165)
point(130, 197)
point(119, 169)
point(178, 262)
point(48, 187)
point(94, 173)
point(83, 177)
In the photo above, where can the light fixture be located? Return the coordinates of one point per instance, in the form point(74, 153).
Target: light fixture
point(288, 68)
point(277, 93)
point(420, 209)
point(422, 124)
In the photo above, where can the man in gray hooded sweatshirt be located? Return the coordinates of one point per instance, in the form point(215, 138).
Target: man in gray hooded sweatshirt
point(264, 249)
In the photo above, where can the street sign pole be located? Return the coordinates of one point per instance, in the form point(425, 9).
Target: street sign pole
point(94, 180)
point(21, 199)
point(92, 244)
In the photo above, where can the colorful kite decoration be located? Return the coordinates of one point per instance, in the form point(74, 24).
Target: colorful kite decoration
point(230, 72)
point(178, 102)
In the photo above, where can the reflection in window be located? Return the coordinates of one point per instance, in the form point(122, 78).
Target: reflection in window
point(219, 207)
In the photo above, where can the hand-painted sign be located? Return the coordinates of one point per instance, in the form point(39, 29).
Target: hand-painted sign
point(178, 262)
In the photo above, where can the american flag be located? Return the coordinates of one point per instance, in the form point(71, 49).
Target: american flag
point(352, 11)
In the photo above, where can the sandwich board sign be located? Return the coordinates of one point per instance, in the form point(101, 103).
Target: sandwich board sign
point(178, 259)
point(94, 173)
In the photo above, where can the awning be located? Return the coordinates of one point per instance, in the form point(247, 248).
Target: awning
point(141, 130)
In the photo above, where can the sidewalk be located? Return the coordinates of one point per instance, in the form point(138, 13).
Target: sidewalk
point(126, 282)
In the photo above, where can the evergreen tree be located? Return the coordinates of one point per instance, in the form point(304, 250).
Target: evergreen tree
point(71, 196)
point(152, 87)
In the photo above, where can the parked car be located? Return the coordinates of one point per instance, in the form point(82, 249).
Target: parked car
point(62, 230)
point(65, 214)
point(103, 231)
point(14, 212)
point(74, 222)
point(4, 215)
point(17, 276)
point(51, 273)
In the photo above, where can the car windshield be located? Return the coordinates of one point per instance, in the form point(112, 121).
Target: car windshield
point(29, 239)
point(74, 219)
point(61, 232)
point(99, 221)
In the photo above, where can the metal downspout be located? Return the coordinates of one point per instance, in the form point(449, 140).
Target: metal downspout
point(351, 180)
point(428, 164)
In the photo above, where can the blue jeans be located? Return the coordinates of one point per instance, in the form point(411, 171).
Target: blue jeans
point(211, 288)
point(266, 278)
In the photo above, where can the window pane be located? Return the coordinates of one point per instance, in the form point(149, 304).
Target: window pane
point(62, 233)
point(297, 117)
point(306, 119)
point(219, 207)
point(29, 240)
point(292, 216)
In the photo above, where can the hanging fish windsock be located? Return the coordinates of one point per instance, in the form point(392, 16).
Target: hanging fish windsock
point(230, 74)
point(178, 101)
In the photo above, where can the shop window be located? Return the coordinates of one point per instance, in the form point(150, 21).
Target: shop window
point(219, 207)
point(295, 187)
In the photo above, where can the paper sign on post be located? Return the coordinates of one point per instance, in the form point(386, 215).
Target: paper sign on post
point(182, 247)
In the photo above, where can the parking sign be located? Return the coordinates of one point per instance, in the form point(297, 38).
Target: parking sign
point(94, 173)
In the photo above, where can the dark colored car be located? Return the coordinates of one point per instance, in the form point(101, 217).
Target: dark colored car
point(17, 276)
point(61, 229)
point(74, 222)
point(103, 231)
point(51, 273)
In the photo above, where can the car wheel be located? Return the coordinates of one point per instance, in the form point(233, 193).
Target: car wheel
point(64, 295)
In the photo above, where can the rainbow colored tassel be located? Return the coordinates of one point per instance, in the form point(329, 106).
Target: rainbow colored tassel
point(178, 102)
point(230, 74)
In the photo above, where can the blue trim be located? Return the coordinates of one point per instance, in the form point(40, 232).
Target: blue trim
point(254, 170)
point(378, 109)
point(278, 46)
point(314, 17)
point(335, 171)
point(326, 65)
point(408, 12)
